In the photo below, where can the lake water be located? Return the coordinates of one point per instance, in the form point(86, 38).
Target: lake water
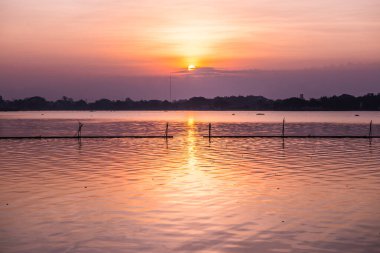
point(188, 194)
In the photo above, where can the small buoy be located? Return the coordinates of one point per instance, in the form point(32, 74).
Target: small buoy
point(6, 204)
point(233, 114)
point(85, 187)
point(357, 115)
point(282, 221)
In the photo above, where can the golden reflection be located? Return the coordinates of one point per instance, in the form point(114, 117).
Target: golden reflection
point(190, 121)
point(192, 161)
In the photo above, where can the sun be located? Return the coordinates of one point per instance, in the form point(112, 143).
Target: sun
point(191, 67)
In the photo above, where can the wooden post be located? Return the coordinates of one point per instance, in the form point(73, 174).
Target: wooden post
point(283, 128)
point(209, 130)
point(370, 129)
point(79, 133)
point(167, 130)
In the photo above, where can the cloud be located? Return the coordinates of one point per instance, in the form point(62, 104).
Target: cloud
point(211, 71)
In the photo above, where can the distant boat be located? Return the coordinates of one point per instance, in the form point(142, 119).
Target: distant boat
point(357, 115)
point(260, 114)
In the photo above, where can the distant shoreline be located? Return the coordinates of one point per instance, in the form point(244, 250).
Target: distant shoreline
point(369, 102)
point(188, 110)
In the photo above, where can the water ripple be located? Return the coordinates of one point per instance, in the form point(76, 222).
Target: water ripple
point(186, 194)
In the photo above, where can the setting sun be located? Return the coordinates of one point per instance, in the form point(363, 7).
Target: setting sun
point(191, 67)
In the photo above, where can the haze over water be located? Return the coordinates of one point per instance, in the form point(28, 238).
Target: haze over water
point(186, 194)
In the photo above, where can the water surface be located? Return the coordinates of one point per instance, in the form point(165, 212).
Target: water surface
point(187, 194)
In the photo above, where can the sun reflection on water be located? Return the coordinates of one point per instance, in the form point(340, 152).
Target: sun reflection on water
point(190, 121)
point(191, 149)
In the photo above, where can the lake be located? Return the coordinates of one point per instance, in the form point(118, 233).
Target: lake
point(189, 194)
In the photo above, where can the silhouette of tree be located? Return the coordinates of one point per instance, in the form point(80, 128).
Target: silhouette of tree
point(342, 102)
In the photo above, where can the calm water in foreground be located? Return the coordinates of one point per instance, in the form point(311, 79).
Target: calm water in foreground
point(187, 194)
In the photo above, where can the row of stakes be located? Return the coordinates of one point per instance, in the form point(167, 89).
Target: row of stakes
point(283, 129)
point(80, 126)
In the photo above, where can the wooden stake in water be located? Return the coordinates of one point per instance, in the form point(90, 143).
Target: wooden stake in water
point(79, 133)
point(283, 128)
point(370, 129)
point(209, 130)
point(167, 130)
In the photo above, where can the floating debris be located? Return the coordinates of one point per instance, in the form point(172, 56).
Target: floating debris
point(260, 114)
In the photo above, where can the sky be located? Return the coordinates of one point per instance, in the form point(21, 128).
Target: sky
point(116, 49)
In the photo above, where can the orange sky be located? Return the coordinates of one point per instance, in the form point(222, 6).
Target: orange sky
point(156, 37)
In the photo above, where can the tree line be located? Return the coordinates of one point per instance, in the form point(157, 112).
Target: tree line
point(370, 102)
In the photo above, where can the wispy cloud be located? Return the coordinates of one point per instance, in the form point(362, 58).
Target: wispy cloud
point(212, 71)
